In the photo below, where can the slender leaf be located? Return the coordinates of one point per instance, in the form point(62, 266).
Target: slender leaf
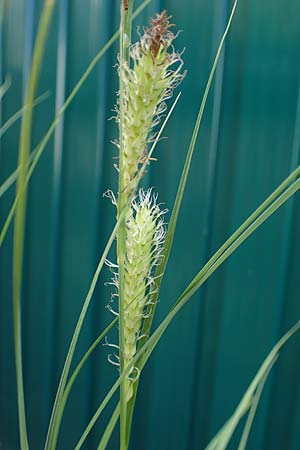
point(5, 86)
point(253, 408)
point(223, 437)
point(109, 429)
point(248, 403)
point(17, 115)
point(21, 194)
point(14, 175)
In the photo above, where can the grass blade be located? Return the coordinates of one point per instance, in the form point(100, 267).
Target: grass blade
point(17, 115)
point(58, 405)
point(109, 429)
point(60, 114)
point(21, 194)
point(222, 439)
point(185, 172)
point(5, 86)
point(214, 262)
point(253, 408)
point(121, 237)
point(14, 175)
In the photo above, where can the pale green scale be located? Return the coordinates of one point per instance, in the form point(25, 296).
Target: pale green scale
point(141, 229)
point(145, 86)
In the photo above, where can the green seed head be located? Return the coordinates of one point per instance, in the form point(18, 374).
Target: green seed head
point(147, 83)
point(145, 234)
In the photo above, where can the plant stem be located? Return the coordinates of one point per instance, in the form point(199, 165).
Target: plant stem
point(109, 429)
point(125, 37)
point(21, 193)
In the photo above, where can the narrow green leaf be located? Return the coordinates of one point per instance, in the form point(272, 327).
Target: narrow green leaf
point(253, 407)
point(5, 86)
point(21, 194)
point(17, 115)
point(109, 429)
point(214, 262)
point(248, 403)
point(186, 169)
point(221, 440)
point(14, 176)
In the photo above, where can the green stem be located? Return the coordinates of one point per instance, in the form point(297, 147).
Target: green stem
point(21, 193)
point(109, 429)
point(125, 38)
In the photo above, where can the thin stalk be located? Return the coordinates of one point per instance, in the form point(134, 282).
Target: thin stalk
point(60, 114)
point(253, 408)
point(109, 429)
point(17, 115)
point(125, 37)
point(14, 175)
point(5, 86)
point(21, 193)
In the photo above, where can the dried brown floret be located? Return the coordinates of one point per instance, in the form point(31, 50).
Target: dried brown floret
point(159, 31)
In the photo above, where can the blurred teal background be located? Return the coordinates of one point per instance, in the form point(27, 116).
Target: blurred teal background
point(249, 142)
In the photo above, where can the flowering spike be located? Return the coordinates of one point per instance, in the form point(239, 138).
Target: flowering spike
point(147, 83)
point(144, 238)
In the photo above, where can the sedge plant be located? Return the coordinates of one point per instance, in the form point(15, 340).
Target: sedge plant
point(149, 72)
